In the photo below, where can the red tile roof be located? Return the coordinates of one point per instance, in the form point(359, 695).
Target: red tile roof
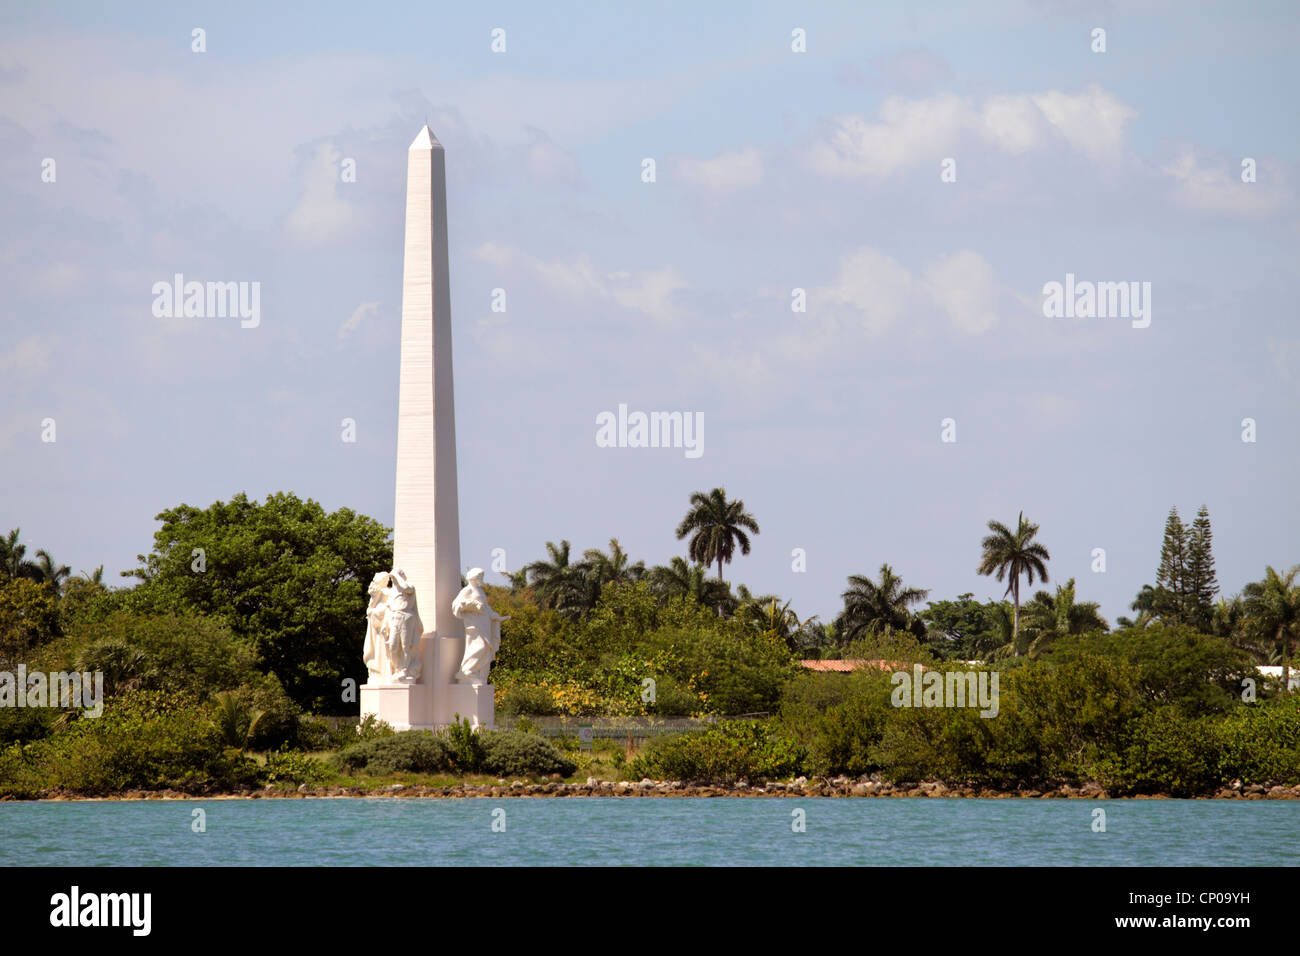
point(843, 667)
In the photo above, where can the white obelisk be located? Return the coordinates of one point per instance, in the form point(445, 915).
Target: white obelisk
point(426, 521)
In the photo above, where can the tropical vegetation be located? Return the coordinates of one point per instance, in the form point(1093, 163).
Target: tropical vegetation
point(232, 662)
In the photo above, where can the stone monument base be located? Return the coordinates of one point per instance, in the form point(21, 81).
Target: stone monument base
point(475, 703)
point(395, 704)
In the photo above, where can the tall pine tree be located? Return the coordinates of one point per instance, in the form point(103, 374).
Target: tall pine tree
point(1171, 603)
point(1201, 583)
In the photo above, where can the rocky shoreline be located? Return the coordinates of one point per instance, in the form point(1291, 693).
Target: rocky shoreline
point(802, 787)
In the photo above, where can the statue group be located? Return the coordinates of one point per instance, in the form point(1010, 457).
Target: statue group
point(393, 630)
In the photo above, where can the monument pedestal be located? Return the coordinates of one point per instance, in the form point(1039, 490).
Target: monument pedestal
point(475, 703)
point(399, 705)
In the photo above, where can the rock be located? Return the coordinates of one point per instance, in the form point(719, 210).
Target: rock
point(862, 790)
point(593, 782)
point(799, 781)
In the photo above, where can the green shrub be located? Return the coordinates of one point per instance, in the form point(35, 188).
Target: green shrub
point(1198, 673)
point(189, 652)
point(1261, 742)
point(292, 766)
point(1166, 753)
point(840, 718)
point(371, 727)
point(279, 724)
point(412, 751)
point(317, 733)
point(465, 744)
point(724, 753)
point(523, 698)
point(513, 753)
point(147, 740)
point(336, 733)
point(25, 724)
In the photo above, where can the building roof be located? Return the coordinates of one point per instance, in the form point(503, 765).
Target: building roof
point(844, 667)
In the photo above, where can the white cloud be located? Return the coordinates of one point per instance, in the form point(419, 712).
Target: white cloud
point(1219, 189)
point(741, 169)
point(908, 132)
point(873, 291)
point(322, 215)
point(873, 288)
point(546, 163)
point(29, 357)
point(964, 286)
point(365, 310)
point(651, 292)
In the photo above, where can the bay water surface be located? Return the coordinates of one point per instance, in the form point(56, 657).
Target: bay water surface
point(634, 831)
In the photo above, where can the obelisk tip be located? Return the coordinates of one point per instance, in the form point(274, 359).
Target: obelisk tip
point(425, 139)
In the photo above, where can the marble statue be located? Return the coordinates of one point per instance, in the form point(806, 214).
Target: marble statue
point(482, 629)
point(392, 647)
point(373, 651)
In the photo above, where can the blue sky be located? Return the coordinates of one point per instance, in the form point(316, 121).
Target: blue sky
point(775, 170)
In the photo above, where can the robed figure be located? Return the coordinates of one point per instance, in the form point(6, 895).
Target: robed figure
point(482, 629)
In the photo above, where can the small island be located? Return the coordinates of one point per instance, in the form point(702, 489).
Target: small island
point(614, 678)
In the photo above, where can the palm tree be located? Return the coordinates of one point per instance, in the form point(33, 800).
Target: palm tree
point(1272, 609)
point(813, 637)
point(997, 639)
point(52, 574)
point(871, 606)
point(678, 579)
point(1145, 605)
point(769, 615)
point(1011, 555)
point(558, 583)
point(1229, 613)
point(93, 577)
point(518, 580)
point(716, 526)
point(236, 719)
point(13, 562)
point(1049, 617)
point(614, 567)
point(764, 611)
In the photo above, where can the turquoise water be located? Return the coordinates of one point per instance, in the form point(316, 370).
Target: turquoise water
point(655, 832)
